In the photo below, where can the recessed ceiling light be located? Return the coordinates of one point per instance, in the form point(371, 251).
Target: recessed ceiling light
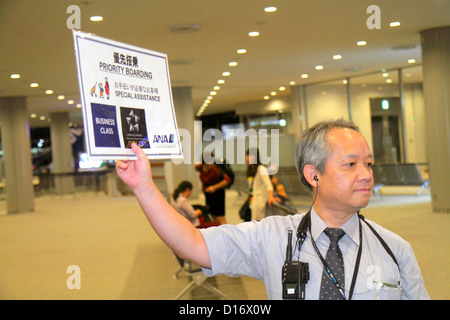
point(411, 60)
point(270, 9)
point(220, 81)
point(266, 97)
point(33, 115)
point(15, 76)
point(216, 88)
point(361, 43)
point(61, 97)
point(282, 88)
point(226, 74)
point(337, 57)
point(394, 24)
point(213, 93)
point(48, 91)
point(253, 33)
point(319, 67)
point(385, 74)
point(304, 76)
point(42, 117)
point(292, 83)
point(233, 64)
point(388, 80)
point(79, 105)
point(34, 85)
point(273, 93)
point(96, 18)
point(241, 51)
point(70, 102)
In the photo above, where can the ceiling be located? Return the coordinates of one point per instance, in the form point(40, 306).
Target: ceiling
point(36, 43)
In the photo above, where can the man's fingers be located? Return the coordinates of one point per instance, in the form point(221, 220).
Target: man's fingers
point(122, 164)
point(138, 152)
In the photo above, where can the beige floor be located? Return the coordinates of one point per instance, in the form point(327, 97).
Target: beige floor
point(120, 256)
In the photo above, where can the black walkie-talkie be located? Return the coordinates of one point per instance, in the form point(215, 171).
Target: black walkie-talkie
point(294, 274)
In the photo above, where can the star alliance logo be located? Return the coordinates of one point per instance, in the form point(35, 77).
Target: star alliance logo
point(133, 122)
point(134, 127)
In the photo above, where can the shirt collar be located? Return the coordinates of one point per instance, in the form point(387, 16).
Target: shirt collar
point(350, 227)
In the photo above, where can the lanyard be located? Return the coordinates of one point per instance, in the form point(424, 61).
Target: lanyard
point(326, 268)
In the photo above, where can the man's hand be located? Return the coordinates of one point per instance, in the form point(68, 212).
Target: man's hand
point(135, 173)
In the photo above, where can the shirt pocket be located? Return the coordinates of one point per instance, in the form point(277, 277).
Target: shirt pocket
point(377, 290)
point(388, 293)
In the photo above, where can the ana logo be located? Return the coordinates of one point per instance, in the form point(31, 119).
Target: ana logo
point(163, 138)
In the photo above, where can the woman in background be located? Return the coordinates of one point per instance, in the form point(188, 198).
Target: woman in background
point(262, 189)
point(180, 201)
point(214, 182)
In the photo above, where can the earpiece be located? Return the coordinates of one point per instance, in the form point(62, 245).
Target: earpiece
point(315, 178)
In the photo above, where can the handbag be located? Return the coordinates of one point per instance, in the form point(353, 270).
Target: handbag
point(245, 212)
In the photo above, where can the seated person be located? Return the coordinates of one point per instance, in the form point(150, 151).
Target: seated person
point(280, 193)
point(279, 190)
point(180, 201)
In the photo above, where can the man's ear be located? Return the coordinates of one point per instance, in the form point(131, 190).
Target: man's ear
point(310, 173)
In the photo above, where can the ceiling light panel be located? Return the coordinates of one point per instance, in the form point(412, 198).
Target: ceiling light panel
point(270, 9)
point(96, 18)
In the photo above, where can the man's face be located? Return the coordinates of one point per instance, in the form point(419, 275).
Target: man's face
point(346, 184)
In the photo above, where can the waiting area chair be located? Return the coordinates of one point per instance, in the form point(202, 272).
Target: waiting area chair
point(379, 180)
point(198, 278)
point(404, 174)
point(413, 177)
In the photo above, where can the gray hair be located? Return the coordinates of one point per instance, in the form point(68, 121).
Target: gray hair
point(313, 147)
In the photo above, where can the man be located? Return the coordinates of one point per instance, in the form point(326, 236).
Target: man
point(334, 160)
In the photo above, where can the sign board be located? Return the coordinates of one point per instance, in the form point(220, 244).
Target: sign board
point(126, 97)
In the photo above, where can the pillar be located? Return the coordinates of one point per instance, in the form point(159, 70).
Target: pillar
point(436, 85)
point(175, 172)
point(349, 99)
point(62, 160)
point(17, 155)
point(299, 116)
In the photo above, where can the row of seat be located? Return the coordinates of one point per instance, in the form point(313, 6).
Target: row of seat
point(403, 174)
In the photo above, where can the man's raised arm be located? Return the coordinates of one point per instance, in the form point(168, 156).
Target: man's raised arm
point(175, 230)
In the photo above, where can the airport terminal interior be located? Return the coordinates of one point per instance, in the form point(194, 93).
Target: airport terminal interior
point(241, 72)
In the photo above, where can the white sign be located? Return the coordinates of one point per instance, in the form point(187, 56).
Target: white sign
point(126, 97)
